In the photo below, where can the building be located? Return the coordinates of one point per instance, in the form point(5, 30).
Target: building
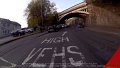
point(6, 26)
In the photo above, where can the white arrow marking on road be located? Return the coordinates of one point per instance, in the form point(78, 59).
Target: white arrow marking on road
point(64, 33)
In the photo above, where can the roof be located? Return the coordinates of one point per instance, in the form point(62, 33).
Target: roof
point(2, 20)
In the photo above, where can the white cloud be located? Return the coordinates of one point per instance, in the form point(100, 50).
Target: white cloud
point(59, 9)
point(14, 10)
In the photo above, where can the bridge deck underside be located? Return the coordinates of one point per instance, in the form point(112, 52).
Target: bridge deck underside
point(80, 15)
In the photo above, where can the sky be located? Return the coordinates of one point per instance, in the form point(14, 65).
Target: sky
point(14, 9)
point(64, 4)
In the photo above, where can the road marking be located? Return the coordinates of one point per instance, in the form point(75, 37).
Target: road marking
point(52, 60)
point(77, 63)
point(56, 40)
point(31, 55)
point(38, 65)
point(65, 39)
point(46, 40)
point(73, 52)
point(72, 61)
point(41, 54)
point(52, 40)
point(63, 58)
point(55, 54)
point(12, 64)
point(64, 33)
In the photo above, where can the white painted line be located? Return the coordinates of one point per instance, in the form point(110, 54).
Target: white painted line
point(31, 55)
point(78, 63)
point(12, 64)
point(65, 39)
point(72, 61)
point(56, 40)
point(51, 40)
point(52, 60)
point(73, 52)
point(41, 54)
point(38, 65)
point(55, 54)
point(64, 33)
point(63, 58)
point(46, 40)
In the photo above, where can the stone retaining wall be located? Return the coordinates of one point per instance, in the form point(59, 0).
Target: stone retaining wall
point(105, 15)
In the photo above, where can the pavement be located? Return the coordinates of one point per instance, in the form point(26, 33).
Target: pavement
point(3, 40)
point(105, 29)
point(11, 38)
point(69, 48)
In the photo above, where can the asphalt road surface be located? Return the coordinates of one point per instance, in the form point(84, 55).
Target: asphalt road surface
point(69, 48)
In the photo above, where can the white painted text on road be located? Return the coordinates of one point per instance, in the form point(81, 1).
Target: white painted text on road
point(42, 52)
point(56, 40)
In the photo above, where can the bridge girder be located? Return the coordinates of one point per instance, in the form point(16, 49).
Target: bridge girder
point(77, 7)
point(79, 10)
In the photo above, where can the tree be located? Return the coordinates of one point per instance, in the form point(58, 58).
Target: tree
point(40, 13)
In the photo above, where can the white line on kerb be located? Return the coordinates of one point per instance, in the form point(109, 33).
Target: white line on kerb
point(64, 33)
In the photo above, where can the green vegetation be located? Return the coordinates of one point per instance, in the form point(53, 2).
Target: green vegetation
point(71, 20)
point(41, 13)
